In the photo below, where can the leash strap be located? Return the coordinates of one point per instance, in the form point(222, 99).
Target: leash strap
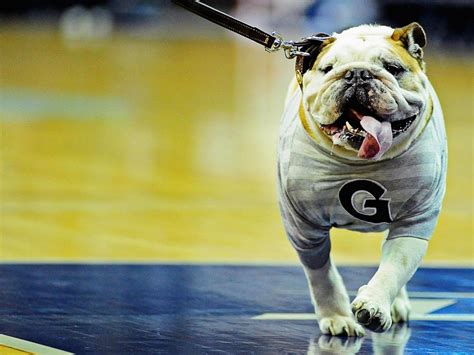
point(305, 50)
point(222, 19)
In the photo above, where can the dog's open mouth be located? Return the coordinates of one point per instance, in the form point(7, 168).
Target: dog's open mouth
point(364, 132)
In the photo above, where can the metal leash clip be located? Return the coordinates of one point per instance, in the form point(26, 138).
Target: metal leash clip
point(272, 43)
point(290, 48)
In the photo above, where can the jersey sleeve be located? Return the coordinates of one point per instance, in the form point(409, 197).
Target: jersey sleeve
point(311, 241)
point(421, 225)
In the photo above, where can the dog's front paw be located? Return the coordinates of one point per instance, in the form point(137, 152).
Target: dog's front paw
point(340, 325)
point(370, 312)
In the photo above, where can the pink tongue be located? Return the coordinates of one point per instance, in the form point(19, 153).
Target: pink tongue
point(378, 140)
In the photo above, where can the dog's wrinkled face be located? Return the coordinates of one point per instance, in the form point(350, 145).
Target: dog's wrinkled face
point(367, 89)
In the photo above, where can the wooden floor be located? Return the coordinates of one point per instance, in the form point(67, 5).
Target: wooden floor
point(151, 150)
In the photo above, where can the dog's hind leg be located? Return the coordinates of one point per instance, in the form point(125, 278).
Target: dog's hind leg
point(331, 301)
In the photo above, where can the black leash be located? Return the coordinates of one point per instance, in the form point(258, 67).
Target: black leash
point(305, 50)
point(229, 22)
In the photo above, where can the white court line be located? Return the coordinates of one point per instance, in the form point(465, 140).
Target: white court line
point(28, 346)
point(431, 294)
point(422, 310)
point(312, 316)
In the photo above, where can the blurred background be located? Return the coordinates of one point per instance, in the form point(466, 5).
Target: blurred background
point(136, 131)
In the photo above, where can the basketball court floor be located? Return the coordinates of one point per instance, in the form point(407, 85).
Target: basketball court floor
point(139, 215)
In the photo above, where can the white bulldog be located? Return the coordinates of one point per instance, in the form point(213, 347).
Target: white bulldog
point(362, 147)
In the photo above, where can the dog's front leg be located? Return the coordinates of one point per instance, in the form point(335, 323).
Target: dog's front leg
point(400, 259)
point(331, 301)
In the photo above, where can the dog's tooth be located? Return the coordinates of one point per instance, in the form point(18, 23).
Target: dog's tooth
point(349, 127)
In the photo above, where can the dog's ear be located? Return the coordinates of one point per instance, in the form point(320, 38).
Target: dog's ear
point(413, 37)
point(303, 64)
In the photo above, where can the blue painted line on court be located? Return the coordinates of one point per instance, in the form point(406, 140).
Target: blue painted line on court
point(200, 309)
point(28, 104)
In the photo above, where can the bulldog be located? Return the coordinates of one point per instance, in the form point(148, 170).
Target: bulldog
point(362, 147)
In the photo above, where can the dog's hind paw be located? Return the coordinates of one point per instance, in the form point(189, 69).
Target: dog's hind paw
point(400, 309)
point(340, 325)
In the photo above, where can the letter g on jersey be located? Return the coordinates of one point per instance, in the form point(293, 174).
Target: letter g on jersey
point(374, 210)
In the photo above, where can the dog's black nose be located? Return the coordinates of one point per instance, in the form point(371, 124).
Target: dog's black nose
point(357, 74)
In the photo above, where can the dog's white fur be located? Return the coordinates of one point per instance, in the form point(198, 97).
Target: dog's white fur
point(384, 294)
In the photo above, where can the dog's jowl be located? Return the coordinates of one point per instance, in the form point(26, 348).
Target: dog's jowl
point(363, 147)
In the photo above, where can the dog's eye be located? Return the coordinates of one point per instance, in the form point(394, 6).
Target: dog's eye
point(326, 69)
point(394, 69)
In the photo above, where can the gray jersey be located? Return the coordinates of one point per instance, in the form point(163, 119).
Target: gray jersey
point(318, 191)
